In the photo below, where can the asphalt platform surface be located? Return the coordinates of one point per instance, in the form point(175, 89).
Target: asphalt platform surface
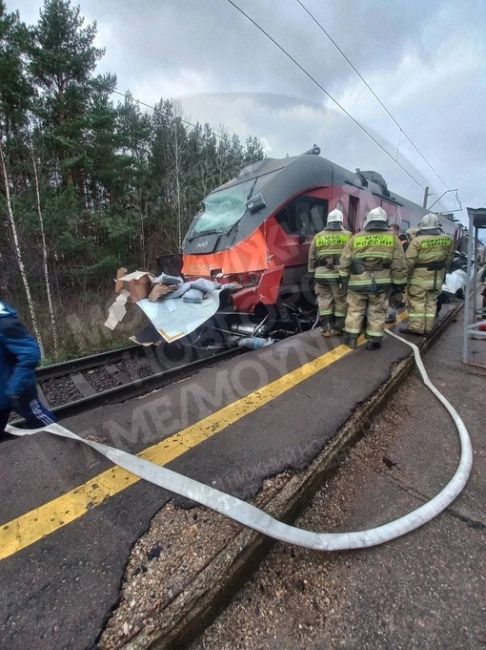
point(424, 590)
point(59, 591)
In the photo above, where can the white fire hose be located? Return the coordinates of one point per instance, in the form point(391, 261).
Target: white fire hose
point(260, 521)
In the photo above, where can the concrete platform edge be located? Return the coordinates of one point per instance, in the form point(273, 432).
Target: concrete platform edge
point(195, 608)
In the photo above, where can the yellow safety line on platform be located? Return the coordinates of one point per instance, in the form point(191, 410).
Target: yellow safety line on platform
point(29, 528)
point(32, 526)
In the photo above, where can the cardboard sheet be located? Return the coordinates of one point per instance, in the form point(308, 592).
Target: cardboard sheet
point(117, 310)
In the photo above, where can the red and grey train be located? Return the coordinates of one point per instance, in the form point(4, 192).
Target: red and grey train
point(256, 230)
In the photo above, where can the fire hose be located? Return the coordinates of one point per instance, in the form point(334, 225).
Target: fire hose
point(252, 517)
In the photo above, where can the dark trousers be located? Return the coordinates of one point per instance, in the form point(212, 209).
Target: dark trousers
point(31, 409)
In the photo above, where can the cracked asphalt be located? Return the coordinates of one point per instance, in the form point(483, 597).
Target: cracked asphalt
point(425, 590)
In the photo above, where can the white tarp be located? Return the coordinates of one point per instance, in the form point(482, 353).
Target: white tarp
point(174, 318)
point(454, 281)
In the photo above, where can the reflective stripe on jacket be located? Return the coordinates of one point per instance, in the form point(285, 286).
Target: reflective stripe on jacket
point(325, 252)
point(429, 256)
point(372, 261)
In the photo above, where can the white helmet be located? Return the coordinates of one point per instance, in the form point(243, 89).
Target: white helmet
point(429, 222)
point(335, 216)
point(377, 215)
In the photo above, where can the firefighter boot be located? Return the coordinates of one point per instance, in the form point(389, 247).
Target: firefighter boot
point(351, 341)
point(373, 345)
point(326, 326)
point(338, 325)
point(405, 330)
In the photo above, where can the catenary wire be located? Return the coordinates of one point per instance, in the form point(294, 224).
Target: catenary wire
point(385, 108)
point(327, 93)
point(139, 101)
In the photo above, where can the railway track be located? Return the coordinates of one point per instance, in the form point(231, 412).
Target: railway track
point(110, 377)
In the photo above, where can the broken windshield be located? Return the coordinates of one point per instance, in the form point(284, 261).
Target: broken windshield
point(223, 209)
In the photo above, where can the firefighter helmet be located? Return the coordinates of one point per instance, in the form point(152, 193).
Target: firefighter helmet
point(335, 220)
point(376, 216)
point(429, 222)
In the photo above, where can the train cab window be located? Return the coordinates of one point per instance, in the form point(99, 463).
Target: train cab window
point(304, 216)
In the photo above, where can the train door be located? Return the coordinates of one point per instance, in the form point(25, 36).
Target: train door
point(353, 214)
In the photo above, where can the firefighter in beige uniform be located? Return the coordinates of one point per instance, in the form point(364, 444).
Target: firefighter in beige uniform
point(324, 253)
point(429, 256)
point(372, 263)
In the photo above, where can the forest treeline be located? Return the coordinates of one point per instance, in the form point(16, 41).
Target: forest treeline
point(88, 183)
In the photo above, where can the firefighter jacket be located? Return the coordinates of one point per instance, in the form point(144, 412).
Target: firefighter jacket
point(19, 356)
point(324, 254)
point(429, 256)
point(372, 261)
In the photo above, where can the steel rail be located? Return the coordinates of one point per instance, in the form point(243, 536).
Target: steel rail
point(138, 387)
point(64, 368)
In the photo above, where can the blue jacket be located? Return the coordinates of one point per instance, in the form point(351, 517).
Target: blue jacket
point(19, 356)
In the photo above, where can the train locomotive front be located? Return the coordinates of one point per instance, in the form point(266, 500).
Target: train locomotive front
point(253, 234)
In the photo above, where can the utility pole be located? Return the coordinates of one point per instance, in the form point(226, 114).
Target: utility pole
point(426, 197)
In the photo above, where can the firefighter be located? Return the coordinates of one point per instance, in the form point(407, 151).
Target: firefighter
point(411, 233)
point(391, 316)
point(372, 264)
point(324, 253)
point(19, 356)
point(429, 256)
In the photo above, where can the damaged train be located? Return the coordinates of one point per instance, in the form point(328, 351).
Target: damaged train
point(251, 237)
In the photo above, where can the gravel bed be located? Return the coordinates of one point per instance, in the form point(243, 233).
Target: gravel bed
point(59, 391)
point(135, 368)
point(129, 370)
point(101, 379)
point(293, 594)
point(62, 390)
point(177, 546)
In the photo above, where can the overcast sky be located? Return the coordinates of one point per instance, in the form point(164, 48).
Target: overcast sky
point(426, 60)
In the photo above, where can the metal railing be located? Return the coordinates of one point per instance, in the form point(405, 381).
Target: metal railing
point(474, 314)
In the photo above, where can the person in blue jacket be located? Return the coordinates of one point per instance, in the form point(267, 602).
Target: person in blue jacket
point(19, 357)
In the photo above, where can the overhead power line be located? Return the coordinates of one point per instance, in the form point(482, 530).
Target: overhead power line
point(385, 108)
point(139, 101)
point(327, 93)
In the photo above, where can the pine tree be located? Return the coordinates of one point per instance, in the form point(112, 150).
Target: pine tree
point(62, 61)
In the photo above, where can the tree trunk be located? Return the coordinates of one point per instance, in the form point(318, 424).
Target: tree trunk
point(178, 190)
point(45, 265)
point(18, 252)
point(142, 230)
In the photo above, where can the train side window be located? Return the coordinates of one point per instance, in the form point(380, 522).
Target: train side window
point(404, 225)
point(304, 216)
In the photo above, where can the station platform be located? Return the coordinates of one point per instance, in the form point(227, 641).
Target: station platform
point(424, 590)
point(71, 527)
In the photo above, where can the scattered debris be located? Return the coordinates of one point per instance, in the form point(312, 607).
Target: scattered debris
point(174, 307)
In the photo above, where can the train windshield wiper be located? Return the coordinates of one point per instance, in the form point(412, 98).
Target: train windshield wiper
point(204, 233)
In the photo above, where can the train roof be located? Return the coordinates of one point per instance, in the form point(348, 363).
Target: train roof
point(289, 177)
point(311, 170)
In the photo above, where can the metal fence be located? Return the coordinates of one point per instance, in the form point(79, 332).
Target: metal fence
point(474, 312)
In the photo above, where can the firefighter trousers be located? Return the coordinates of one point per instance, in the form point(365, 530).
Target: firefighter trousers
point(373, 307)
point(422, 308)
point(331, 299)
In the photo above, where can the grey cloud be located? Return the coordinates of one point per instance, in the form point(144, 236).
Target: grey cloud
point(205, 47)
